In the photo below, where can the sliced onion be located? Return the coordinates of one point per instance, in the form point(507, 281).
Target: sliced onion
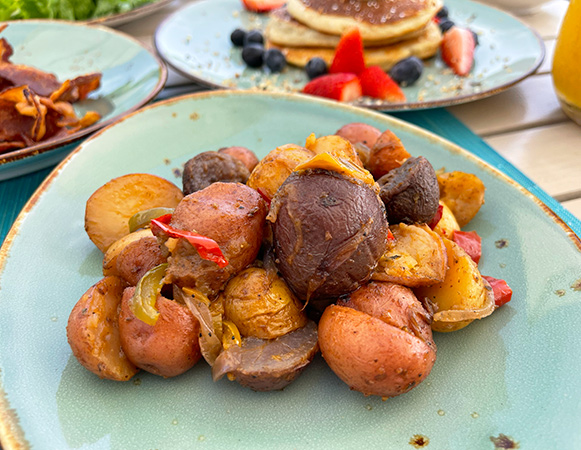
point(459, 315)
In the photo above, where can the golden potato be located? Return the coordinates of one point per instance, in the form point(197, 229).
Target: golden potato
point(463, 193)
point(112, 253)
point(275, 167)
point(447, 224)
point(337, 146)
point(462, 296)
point(261, 305)
point(168, 348)
point(111, 206)
point(93, 331)
point(388, 153)
point(137, 258)
point(417, 257)
point(379, 342)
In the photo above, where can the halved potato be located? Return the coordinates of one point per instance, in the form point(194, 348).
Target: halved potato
point(112, 253)
point(336, 146)
point(463, 193)
point(111, 206)
point(417, 258)
point(93, 331)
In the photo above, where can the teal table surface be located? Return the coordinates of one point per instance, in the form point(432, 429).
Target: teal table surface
point(14, 193)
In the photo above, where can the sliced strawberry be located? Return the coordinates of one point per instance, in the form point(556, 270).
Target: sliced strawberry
point(458, 50)
point(377, 84)
point(349, 54)
point(343, 87)
point(261, 6)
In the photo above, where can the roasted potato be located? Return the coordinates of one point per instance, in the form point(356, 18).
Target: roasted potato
point(462, 296)
point(275, 167)
point(168, 348)
point(417, 258)
point(388, 153)
point(260, 304)
point(210, 167)
point(111, 206)
point(335, 145)
point(447, 223)
point(379, 342)
point(245, 155)
point(137, 258)
point(359, 133)
point(93, 331)
point(463, 193)
point(112, 253)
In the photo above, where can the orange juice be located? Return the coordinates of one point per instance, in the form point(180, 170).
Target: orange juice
point(567, 63)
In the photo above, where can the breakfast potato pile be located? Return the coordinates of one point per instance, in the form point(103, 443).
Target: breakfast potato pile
point(348, 245)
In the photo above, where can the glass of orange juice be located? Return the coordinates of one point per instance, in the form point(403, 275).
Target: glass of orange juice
point(567, 63)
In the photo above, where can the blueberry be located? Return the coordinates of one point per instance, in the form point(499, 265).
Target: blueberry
point(274, 60)
point(407, 71)
point(253, 37)
point(442, 13)
point(253, 55)
point(446, 24)
point(316, 67)
point(237, 37)
point(475, 38)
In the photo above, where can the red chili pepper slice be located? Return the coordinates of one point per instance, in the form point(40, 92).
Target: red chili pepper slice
point(264, 195)
point(470, 242)
point(500, 288)
point(206, 247)
point(436, 217)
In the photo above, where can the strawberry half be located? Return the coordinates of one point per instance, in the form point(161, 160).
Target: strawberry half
point(348, 56)
point(261, 6)
point(377, 84)
point(457, 50)
point(343, 87)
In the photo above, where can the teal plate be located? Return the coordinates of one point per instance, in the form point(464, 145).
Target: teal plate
point(514, 374)
point(195, 41)
point(132, 76)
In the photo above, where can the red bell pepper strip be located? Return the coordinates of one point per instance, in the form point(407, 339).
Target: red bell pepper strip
point(470, 243)
point(206, 247)
point(264, 195)
point(432, 224)
point(502, 291)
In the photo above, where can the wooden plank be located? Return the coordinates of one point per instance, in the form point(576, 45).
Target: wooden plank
point(547, 20)
point(549, 155)
point(529, 104)
point(574, 206)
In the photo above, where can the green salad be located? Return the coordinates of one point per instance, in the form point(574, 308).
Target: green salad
point(65, 9)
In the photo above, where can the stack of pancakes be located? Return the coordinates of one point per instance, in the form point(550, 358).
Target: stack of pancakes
point(391, 29)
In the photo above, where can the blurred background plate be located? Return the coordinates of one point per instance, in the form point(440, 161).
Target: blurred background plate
point(513, 374)
point(128, 16)
point(132, 76)
point(195, 41)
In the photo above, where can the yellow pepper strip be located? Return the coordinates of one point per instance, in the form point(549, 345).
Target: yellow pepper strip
point(143, 218)
point(143, 301)
point(230, 335)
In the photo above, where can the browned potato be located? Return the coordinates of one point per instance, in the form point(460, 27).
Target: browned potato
point(447, 224)
point(359, 133)
point(335, 145)
point(245, 155)
point(275, 167)
point(111, 206)
point(137, 258)
point(112, 253)
point(93, 331)
point(379, 342)
point(463, 193)
point(231, 214)
point(388, 153)
point(262, 305)
point(417, 258)
point(170, 347)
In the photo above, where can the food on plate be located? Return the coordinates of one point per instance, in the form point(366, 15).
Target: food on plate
point(313, 252)
point(407, 71)
point(463, 193)
point(458, 50)
point(348, 56)
point(377, 84)
point(261, 6)
point(35, 107)
point(316, 67)
point(343, 87)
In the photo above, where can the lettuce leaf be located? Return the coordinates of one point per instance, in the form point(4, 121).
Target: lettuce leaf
point(64, 9)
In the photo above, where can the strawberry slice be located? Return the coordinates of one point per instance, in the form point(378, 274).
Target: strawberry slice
point(457, 50)
point(348, 56)
point(377, 84)
point(261, 6)
point(343, 87)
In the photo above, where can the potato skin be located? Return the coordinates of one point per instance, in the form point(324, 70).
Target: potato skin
point(463, 193)
point(137, 258)
point(93, 331)
point(170, 347)
point(382, 354)
point(210, 167)
point(359, 133)
point(244, 154)
point(388, 153)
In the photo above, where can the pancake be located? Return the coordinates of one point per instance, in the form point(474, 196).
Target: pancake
point(424, 46)
point(376, 19)
point(285, 31)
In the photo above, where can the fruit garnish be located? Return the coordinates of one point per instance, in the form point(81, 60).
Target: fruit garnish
point(253, 55)
point(237, 37)
point(457, 50)
point(349, 54)
point(260, 6)
point(316, 67)
point(343, 87)
point(253, 37)
point(274, 60)
point(446, 24)
point(377, 84)
point(407, 71)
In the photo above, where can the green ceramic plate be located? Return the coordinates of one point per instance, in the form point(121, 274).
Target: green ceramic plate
point(132, 76)
point(195, 41)
point(514, 374)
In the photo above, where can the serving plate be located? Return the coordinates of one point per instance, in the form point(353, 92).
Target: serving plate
point(510, 377)
point(115, 20)
point(195, 41)
point(132, 76)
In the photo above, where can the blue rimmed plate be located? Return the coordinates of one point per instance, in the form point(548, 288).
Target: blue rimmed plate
point(509, 377)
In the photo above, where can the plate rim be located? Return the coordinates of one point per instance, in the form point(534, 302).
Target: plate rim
point(383, 107)
point(114, 20)
point(11, 432)
point(34, 150)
